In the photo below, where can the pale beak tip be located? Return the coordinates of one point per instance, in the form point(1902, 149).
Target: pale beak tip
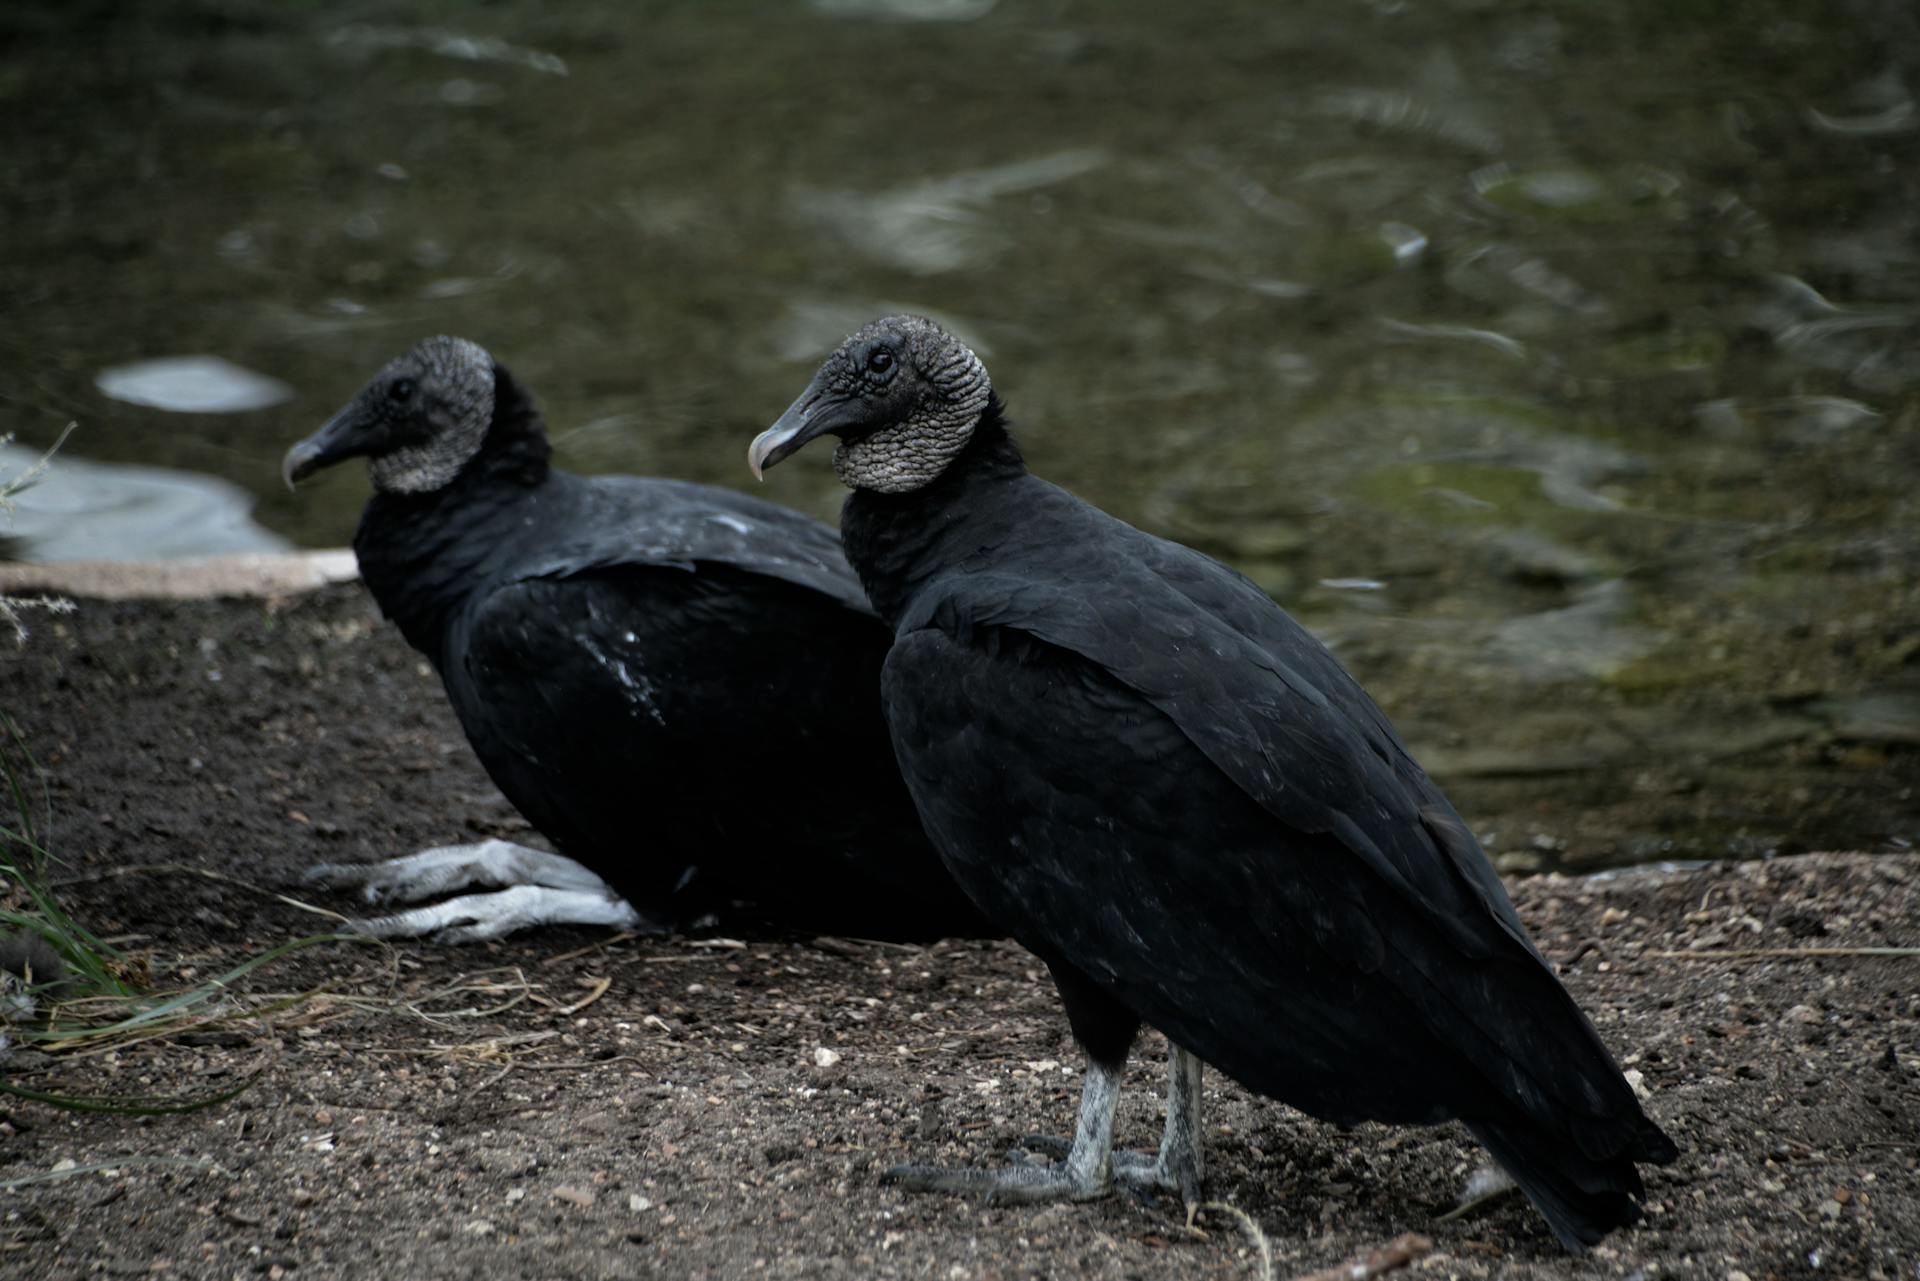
point(289, 466)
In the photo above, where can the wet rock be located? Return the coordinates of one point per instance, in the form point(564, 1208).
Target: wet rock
point(192, 385)
point(82, 510)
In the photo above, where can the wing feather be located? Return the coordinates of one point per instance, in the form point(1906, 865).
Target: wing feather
point(631, 521)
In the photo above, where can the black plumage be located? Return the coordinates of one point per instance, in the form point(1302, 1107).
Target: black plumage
point(1158, 781)
point(617, 650)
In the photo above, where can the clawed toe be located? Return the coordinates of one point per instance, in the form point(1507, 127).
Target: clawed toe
point(1088, 1167)
point(1147, 1176)
point(343, 876)
point(1045, 1145)
point(475, 918)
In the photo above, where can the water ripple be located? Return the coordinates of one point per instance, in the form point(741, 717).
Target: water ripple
point(448, 44)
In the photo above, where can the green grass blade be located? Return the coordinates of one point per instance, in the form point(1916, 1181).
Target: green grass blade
point(131, 1105)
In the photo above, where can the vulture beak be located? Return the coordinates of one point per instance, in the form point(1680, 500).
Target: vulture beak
point(343, 437)
point(818, 412)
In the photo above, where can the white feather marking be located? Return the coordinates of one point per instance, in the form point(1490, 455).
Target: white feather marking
point(642, 687)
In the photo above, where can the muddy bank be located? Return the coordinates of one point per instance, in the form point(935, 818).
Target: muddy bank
point(562, 1106)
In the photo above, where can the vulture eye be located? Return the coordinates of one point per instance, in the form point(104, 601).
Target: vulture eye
point(880, 361)
point(400, 390)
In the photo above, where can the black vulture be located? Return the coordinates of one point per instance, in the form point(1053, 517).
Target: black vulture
point(1150, 775)
point(617, 651)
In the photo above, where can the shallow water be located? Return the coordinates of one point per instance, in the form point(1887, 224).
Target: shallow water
point(1560, 366)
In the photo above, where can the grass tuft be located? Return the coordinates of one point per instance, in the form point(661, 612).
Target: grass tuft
point(98, 1003)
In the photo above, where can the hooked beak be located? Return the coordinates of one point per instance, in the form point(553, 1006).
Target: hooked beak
point(340, 439)
point(817, 413)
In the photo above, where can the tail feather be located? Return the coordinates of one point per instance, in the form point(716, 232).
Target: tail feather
point(1581, 1195)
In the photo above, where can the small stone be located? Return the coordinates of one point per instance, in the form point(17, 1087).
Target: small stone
point(1738, 1275)
point(823, 1057)
point(509, 1163)
point(639, 1204)
point(1803, 1014)
point(1830, 1209)
point(479, 1228)
point(1638, 1080)
point(582, 1197)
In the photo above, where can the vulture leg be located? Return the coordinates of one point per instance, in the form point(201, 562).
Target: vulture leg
point(1178, 1166)
point(495, 864)
point(1086, 1172)
point(474, 917)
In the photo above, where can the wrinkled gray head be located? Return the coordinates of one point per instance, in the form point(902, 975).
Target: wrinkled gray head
point(417, 423)
point(902, 394)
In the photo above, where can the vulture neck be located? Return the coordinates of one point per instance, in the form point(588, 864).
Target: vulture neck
point(898, 542)
point(422, 555)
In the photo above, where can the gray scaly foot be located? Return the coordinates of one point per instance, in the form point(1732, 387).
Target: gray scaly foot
point(1178, 1165)
point(494, 863)
point(532, 886)
point(1086, 1172)
point(474, 917)
point(1089, 1167)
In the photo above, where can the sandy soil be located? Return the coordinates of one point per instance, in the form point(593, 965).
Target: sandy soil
point(563, 1105)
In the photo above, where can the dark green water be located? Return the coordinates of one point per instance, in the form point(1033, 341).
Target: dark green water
point(1559, 363)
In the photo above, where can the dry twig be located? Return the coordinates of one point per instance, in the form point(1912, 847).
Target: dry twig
point(1248, 1226)
point(622, 937)
point(598, 989)
point(1395, 1254)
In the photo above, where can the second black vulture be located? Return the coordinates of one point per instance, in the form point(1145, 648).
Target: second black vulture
point(1166, 788)
point(616, 650)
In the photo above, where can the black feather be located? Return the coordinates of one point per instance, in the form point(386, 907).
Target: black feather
point(667, 680)
point(1157, 780)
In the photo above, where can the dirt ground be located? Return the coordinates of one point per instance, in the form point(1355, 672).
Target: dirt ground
point(563, 1105)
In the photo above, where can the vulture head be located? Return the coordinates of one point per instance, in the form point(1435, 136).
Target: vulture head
point(902, 394)
point(417, 423)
